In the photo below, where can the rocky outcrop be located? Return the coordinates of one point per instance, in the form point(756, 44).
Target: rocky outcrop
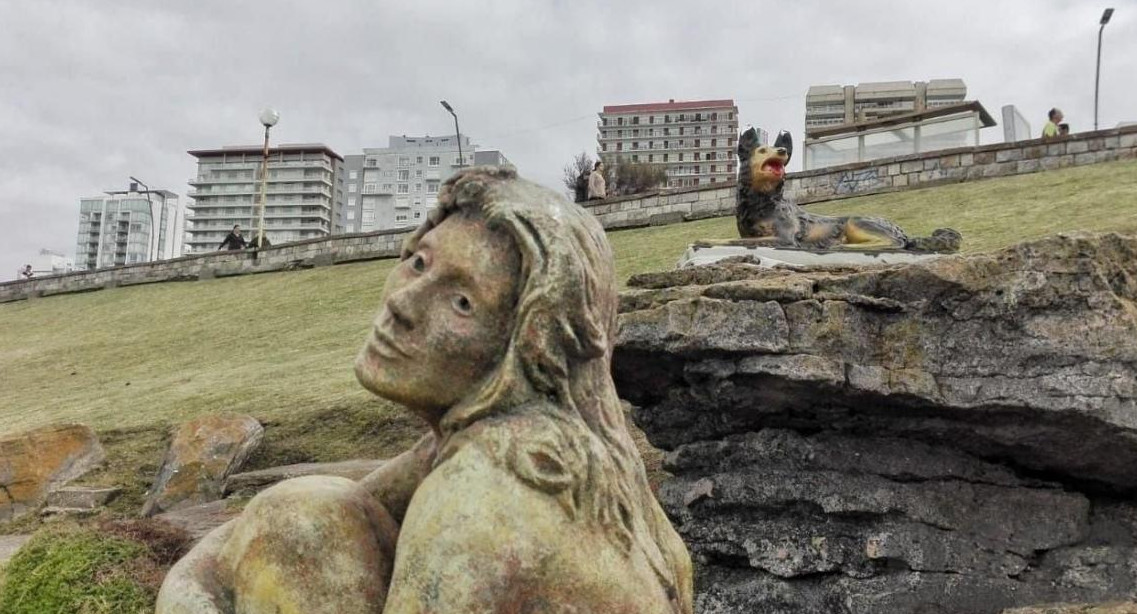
point(34, 463)
point(203, 453)
point(957, 435)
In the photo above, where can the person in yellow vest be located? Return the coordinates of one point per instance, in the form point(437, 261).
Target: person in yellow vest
point(1051, 130)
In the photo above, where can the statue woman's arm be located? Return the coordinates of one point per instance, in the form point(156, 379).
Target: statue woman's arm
point(394, 483)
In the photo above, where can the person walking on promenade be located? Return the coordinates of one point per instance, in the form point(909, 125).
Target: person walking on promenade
point(233, 240)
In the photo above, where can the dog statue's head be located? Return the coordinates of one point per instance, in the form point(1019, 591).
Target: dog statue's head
point(763, 167)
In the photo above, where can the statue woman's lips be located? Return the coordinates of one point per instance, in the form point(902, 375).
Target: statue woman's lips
point(384, 346)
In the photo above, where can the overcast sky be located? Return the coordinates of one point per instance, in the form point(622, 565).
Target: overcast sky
point(93, 92)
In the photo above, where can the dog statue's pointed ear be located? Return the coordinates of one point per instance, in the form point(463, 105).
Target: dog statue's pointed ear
point(785, 140)
point(747, 142)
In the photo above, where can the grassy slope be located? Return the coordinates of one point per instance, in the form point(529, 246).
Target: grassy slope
point(132, 361)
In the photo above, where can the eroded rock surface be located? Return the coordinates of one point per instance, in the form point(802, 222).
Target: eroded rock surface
point(34, 463)
point(203, 453)
point(951, 436)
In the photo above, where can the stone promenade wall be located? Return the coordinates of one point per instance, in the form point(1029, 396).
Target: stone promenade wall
point(286, 256)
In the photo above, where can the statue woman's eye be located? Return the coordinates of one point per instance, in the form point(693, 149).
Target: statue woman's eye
point(418, 263)
point(462, 304)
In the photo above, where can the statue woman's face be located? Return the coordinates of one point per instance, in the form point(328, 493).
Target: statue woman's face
point(445, 318)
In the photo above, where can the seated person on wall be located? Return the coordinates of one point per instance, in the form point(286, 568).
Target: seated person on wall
point(1053, 126)
point(527, 494)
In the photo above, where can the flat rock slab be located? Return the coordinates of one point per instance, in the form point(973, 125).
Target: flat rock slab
point(202, 454)
point(82, 497)
point(252, 482)
point(9, 545)
point(35, 462)
point(956, 435)
point(198, 520)
point(769, 257)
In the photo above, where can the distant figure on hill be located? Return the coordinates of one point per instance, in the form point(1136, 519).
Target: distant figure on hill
point(597, 188)
point(233, 240)
point(1051, 129)
point(26, 272)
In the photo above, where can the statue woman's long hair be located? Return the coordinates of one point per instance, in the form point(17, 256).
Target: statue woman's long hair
point(557, 366)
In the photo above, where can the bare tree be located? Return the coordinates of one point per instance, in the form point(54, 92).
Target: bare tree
point(635, 177)
point(576, 176)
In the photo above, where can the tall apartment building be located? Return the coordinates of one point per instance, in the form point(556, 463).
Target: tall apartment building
point(394, 186)
point(835, 105)
point(692, 141)
point(304, 194)
point(125, 227)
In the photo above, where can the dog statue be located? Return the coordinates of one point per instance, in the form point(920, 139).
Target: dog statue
point(764, 217)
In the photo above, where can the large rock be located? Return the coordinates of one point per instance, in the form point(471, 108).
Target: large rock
point(950, 436)
point(34, 463)
point(203, 453)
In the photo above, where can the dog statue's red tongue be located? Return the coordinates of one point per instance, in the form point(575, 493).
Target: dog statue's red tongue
point(776, 167)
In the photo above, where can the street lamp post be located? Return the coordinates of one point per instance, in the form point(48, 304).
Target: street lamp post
point(151, 247)
point(458, 133)
point(1097, 73)
point(268, 118)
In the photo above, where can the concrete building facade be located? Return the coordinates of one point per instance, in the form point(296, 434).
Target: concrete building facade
point(394, 186)
point(127, 227)
point(304, 194)
point(827, 106)
point(693, 141)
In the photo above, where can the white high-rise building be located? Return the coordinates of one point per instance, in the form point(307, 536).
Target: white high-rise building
point(126, 227)
point(394, 186)
point(304, 194)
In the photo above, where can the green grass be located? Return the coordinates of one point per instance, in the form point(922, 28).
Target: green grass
point(76, 570)
point(131, 362)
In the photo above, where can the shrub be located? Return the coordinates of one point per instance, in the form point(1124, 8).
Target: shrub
point(115, 568)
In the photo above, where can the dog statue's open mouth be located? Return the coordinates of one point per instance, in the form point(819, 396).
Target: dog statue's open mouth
point(774, 167)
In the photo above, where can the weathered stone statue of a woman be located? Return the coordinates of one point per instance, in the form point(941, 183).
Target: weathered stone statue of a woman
point(526, 496)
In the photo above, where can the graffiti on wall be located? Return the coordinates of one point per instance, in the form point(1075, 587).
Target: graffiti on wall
point(860, 180)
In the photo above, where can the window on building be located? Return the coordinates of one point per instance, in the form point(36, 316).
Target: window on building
point(604, 121)
point(712, 179)
point(353, 175)
point(667, 119)
point(667, 132)
point(404, 175)
point(619, 121)
point(714, 117)
point(714, 142)
point(387, 187)
point(352, 188)
point(432, 187)
point(404, 188)
point(418, 160)
point(665, 157)
point(400, 217)
point(368, 217)
point(619, 147)
point(604, 147)
point(698, 169)
point(696, 142)
point(636, 120)
point(730, 116)
point(695, 181)
point(696, 155)
point(434, 161)
point(635, 132)
point(369, 188)
point(372, 162)
point(680, 130)
point(651, 120)
point(635, 144)
point(418, 214)
point(351, 214)
point(404, 160)
point(650, 158)
point(418, 187)
point(418, 173)
point(680, 157)
point(635, 158)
